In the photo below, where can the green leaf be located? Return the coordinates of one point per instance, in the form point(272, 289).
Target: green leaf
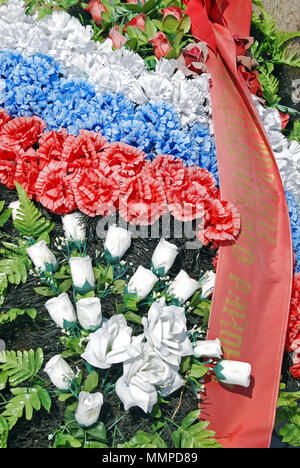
point(4, 430)
point(45, 291)
point(15, 269)
point(194, 435)
point(144, 440)
point(21, 365)
point(290, 434)
point(66, 441)
point(185, 24)
point(170, 24)
point(132, 317)
point(132, 44)
point(91, 381)
point(65, 285)
point(198, 370)
point(4, 217)
point(13, 314)
point(30, 222)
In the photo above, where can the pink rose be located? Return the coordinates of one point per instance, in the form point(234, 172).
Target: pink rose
point(137, 22)
point(117, 38)
point(174, 11)
point(95, 8)
point(161, 45)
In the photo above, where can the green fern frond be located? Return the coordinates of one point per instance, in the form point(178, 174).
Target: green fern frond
point(281, 58)
point(29, 221)
point(15, 269)
point(270, 85)
point(21, 365)
point(265, 23)
point(295, 133)
point(282, 37)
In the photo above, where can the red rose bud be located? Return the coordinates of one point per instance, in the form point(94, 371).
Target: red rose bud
point(95, 8)
point(174, 11)
point(137, 22)
point(161, 45)
point(117, 38)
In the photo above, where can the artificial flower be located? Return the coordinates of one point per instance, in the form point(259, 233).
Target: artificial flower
point(295, 371)
point(96, 8)
point(53, 188)
point(166, 331)
point(183, 287)
point(207, 282)
point(117, 37)
point(59, 372)
point(82, 273)
point(27, 171)
point(109, 344)
point(24, 131)
point(88, 409)
point(89, 312)
point(15, 206)
point(161, 45)
point(83, 150)
point(122, 161)
point(41, 256)
point(7, 173)
point(117, 242)
point(164, 256)
point(142, 377)
point(137, 22)
point(95, 194)
point(142, 200)
point(172, 10)
point(208, 349)
point(221, 223)
point(233, 372)
point(74, 228)
point(61, 309)
point(51, 146)
point(142, 282)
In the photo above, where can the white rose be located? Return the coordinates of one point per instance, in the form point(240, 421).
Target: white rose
point(73, 227)
point(233, 372)
point(59, 372)
point(88, 409)
point(142, 282)
point(82, 272)
point(61, 308)
point(89, 312)
point(142, 375)
point(207, 283)
point(183, 287)
point(208, 348)
point(165, 329)
point(110, 344)
point(164, 255)
point(117, 241)
point(41, 255)
point(15, 207)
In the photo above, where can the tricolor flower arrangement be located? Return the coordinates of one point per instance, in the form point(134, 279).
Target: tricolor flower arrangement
point(100, 127)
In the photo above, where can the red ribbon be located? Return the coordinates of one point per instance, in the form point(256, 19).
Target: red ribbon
point(252, 293)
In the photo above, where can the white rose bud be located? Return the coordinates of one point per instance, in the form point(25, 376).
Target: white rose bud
point(61, 308)
point(233, 372)
point(73, 227)
point(88, 409)
point(164, 256)
point(41, 255)
point(117, 241)
point(15, 207)
point(59, 372)
point(208, 348)
point(89, 313)
point(82, 273)
point(142, 282)
point(207, 283)
point(183, 287)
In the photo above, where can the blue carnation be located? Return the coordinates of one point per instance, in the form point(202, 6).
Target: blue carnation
point(161, 115)
point(294, 214)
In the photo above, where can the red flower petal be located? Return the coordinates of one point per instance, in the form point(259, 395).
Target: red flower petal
point(94, 193)
point(122, 161)
point(27, 171)
point(84, 149)
point(53, 188)
point(142, 200)
point(23, 131)
point(51, 146)
point(4, 117)
point(7, 173)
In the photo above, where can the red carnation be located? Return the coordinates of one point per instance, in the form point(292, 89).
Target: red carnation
point(171, 172)
point(142, 200)
point(4, 117)
point(138, 21)
point(174, 11)
point(84, 149)
point(293, 329)
point(221, 223)
point(95, 194)
point(121, 161)
point(7, 173)
point(95, 8)
point(9, 151)
point(161, 45)
point(51, 146)
point(53, 188)
point(23, 131)
point(205, 178)
point(27, 171)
